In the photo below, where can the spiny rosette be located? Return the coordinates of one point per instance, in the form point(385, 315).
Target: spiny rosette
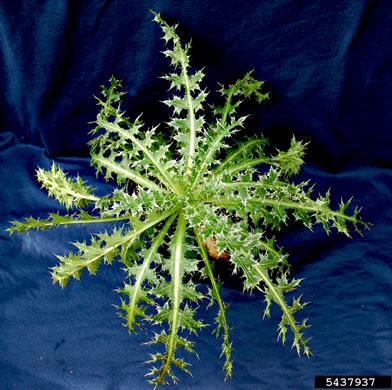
point(173, 197)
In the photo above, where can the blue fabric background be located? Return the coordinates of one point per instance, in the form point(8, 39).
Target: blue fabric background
point(327, 65)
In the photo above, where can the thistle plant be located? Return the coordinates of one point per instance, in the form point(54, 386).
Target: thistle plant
point(193, 184)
